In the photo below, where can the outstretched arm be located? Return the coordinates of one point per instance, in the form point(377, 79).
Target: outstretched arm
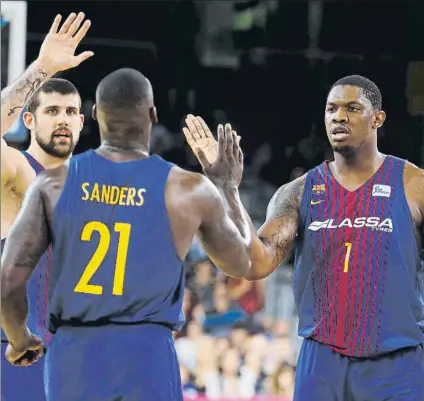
point(222, 162)
point(27, 241)
point(274, 241)
point(219, 235)
point(57, 53)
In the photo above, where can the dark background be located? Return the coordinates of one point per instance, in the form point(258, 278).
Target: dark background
point(274, 93)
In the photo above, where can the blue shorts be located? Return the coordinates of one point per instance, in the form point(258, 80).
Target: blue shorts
point(324, 375)
point(108, 363)
point(21, 383)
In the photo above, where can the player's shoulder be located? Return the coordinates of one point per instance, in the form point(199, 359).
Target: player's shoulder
point(288, 197)
point(188, 181)
point(51, 178)
point(292, 188)
point(412, 173)
point(413, 181)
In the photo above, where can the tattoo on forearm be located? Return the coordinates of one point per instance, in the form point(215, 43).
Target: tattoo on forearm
point(284, 213)
point(21, 91)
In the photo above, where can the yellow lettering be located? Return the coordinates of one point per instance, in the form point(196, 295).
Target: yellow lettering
point(114, 196)
point(95, 193)
point(140, 193)
point(130, 196)
point(122, 196)
point(105, 193)
point(84, 187)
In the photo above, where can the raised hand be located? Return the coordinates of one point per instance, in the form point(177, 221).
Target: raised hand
point(57, 53)
point(222, 160)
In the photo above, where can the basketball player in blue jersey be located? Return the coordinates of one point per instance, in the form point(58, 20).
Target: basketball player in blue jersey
point(121, 223)
point(356, 225)
point(55, 122)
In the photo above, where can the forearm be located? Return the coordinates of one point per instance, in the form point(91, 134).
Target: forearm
point(15, 96)
point(14, 314)
point(262, 263)
point(238, 214)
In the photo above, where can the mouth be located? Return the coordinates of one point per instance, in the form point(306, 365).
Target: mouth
point(62, 134)
point(340, 133)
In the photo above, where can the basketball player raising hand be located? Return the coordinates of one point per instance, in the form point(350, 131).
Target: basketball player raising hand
point(55, 122)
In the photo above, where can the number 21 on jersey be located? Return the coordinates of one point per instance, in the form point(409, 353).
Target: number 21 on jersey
point(123, 230)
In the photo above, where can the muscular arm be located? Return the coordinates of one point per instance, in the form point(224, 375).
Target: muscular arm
point(414, 189)
point(27, 241)
point(15, 168)
point(15, 96)
point(219, 235)
point(274, 241)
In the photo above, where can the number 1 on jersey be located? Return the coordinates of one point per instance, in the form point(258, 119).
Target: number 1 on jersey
point(348, 245)
point(124, 230)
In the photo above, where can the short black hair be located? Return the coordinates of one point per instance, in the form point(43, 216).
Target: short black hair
point(369, 88)
point(53, 85)
point(124, 89)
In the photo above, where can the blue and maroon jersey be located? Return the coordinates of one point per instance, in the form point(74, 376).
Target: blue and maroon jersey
point(37, 288)
point(359, 282)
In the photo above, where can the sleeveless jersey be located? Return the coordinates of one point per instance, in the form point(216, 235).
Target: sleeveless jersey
point(358, 283)
point(37, 288)
point(114, 260)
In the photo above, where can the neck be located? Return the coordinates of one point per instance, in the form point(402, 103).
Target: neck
point(46, 160)
point(366, 159)
point(129, 147)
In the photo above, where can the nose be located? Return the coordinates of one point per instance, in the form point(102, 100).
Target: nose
point(340, 116)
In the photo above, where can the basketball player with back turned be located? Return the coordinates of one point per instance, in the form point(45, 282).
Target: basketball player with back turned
point(356, 225)
point(54, 119)
point(121, 223)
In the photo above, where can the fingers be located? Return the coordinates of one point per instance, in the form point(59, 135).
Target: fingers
point(240, 152)
point(221, 140)
point(228, 140)
point(76, 24)
point(205, 127)
point(65, 27)
point(55, 25)
point(82, 31)
point(192, 128)
point(189, 138)
point(82, 57)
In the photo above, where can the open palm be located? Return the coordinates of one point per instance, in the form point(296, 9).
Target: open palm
point(199, 137)
point(57, 53)
point(222, 160)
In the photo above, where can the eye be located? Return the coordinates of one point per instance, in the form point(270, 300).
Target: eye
point(52, 111)
point(331, 109)
point(354, 108)
point(72, 112)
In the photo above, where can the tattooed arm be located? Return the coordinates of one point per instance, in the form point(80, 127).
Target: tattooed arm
point(57, 53)
point(274, 241)
point(15, 96)
point(414, 190)
point(27, 241)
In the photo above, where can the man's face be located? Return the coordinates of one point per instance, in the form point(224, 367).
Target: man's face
point(57, 123)
point(350, 119)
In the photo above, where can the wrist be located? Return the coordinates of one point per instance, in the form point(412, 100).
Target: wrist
point(20, 339)
point(44, 68)
point(227, 187)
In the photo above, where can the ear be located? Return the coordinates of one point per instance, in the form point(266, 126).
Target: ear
point(94, 112)
point(153, 115)
point(82, 121)
point(379, 118)
point(29, 120)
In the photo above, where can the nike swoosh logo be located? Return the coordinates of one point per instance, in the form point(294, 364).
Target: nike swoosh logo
point(316, 203)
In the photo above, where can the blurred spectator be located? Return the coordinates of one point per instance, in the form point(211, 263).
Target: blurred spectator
point(282, 381)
